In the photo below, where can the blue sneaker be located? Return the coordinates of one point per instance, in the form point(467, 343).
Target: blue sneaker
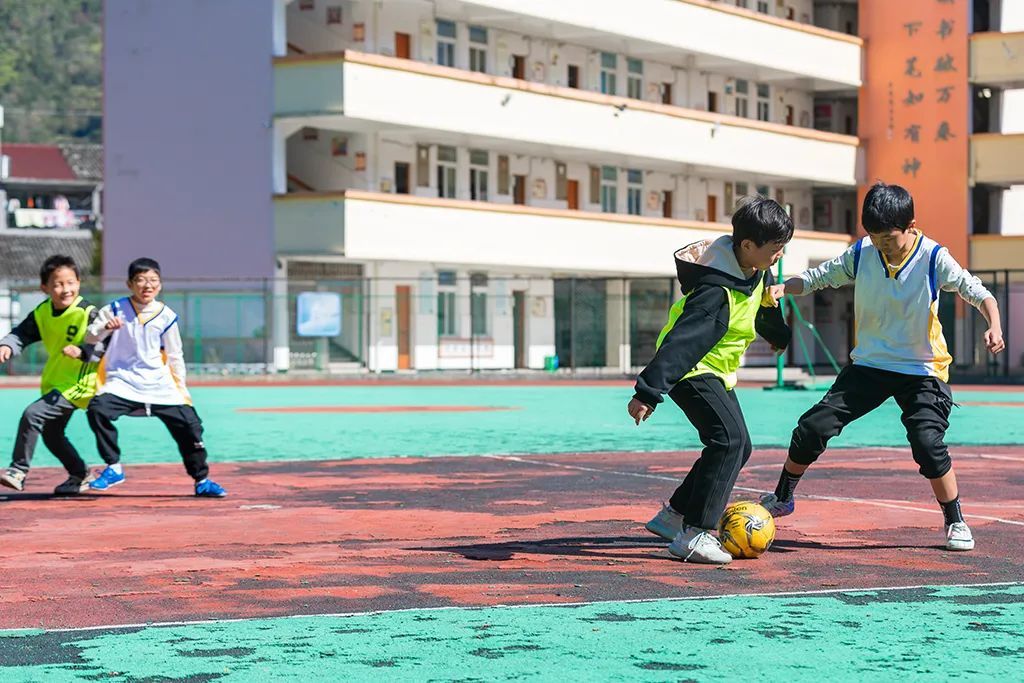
point(210, 489)
point(777, 508)
point(106, 479)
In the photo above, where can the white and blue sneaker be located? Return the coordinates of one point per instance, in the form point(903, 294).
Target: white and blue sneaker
point(667, 523)
point(207, 488)
point(107, 478)
point(776, 507)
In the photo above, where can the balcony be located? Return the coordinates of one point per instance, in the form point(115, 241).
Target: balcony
point(378, 226)
point(685, 31)
point(359, 92)
point(997, 59)
point(996, 159)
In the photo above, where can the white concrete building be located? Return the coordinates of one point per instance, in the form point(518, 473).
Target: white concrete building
point(487, 183)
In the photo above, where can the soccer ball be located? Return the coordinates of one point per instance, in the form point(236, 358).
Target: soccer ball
point(746, 529)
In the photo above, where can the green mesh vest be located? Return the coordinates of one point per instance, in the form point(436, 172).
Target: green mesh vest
point(723, 360)
point(75, 380)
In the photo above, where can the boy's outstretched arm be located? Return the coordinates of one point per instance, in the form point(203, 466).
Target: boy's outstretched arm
point(702, 324)
point(950, 276)
point(769, 322)
point(835, 273)
point(100, 326)
point(27, 332)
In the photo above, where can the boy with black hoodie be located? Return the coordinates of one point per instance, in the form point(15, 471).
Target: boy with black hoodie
point(725, 285)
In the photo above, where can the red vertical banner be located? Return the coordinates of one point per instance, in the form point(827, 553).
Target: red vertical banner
point(914, 115)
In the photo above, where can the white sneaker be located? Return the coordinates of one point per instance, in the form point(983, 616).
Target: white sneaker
point(959, 537)
point(667, 523)
point(13, 478)
point(693, 544)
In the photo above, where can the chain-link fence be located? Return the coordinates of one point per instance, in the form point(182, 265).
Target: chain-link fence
point(474, 323)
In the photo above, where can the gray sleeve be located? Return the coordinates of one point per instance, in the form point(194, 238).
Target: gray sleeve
point(27, 332)
point(835, 273)
point(950, 276)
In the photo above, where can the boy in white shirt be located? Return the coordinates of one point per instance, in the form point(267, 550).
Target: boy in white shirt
point(143, 370)
point(898, 273)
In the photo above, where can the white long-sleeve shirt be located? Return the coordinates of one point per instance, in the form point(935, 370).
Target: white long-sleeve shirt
point(896, 305)
point(144, 359)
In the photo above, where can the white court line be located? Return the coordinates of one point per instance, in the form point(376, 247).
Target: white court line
point(480, 608)
point(839, 499)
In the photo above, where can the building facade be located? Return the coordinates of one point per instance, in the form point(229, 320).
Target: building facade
point(485, 184)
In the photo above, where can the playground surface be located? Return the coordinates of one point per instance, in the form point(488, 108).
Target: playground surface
point(470, 532)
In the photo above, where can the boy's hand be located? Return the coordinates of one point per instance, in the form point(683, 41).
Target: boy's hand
point(114, 324)
point(5, 354)
point(639, 411)
point(993, 340)
point(72, 351)
point(777, 292)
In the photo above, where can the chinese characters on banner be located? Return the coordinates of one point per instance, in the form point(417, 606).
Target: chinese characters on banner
point(914, 108)
point(944, 63)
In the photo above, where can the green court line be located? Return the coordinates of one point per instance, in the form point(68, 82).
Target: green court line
point(548, 419)
point(914, 633)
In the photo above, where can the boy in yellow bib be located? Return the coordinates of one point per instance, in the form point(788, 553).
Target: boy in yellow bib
point(725, 302)
point(69, 376)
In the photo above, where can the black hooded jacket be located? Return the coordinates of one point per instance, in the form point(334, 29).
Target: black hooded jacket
point(705, 317)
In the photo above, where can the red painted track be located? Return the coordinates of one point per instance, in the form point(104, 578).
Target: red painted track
point(340, 536)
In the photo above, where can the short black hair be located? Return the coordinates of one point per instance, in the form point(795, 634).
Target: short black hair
point(53, 263)
point(887, 207)
point(141, 265)
point(761, 220)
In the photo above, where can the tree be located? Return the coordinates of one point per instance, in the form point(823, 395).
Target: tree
point(51, 73)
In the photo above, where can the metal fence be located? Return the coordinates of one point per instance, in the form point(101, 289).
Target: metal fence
point(588, 324)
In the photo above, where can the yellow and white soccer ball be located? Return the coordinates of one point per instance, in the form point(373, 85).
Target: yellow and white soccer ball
point(746, 529)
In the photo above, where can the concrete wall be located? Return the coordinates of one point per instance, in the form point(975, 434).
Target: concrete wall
point(187, 137)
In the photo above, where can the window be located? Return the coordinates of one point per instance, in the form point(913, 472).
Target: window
point(478, 304)
point(763, 102)
point(446, 172)
point(446, 311)
point(574, 76)
point(609, 65)
point(422, 166)
point(479, 162)
point(478, 311)
point(561, 181)
point(503, 174)
point(446, 314)
point(478, 49)
point(635, 82)
point(741, 3)
point(741, 190)
point(609, 189)
point(762, 7)
point(445, 42)
point(763, 190)
point(742, 104)
point(634, 191)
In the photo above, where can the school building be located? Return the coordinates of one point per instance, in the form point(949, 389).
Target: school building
point(489, 184)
